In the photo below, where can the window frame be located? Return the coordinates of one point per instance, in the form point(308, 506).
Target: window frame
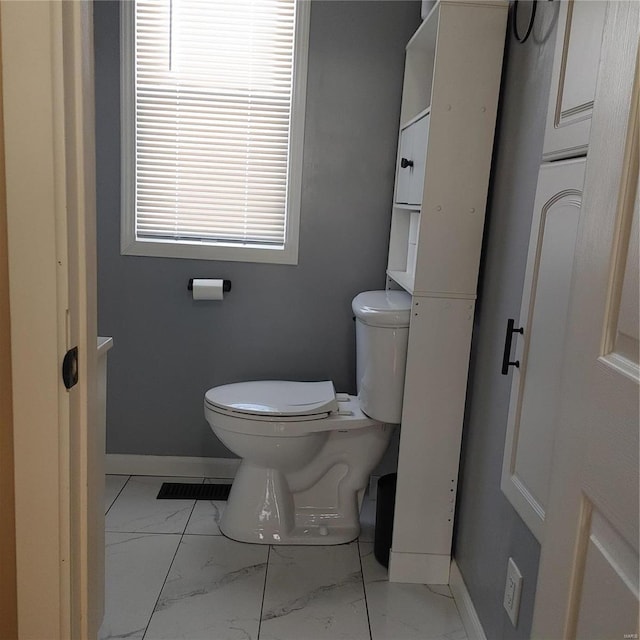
point(129, 243)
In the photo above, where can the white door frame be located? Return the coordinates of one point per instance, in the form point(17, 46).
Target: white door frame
point(48, 122)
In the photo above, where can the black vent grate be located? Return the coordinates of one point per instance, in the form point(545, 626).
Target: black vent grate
point(191, 491)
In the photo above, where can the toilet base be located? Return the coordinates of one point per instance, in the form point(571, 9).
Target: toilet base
point(299, 535)
point(261, 510)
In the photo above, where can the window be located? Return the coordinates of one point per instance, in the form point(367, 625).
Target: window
point(212, 127)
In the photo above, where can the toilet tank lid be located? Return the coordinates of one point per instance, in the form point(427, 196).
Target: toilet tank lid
point(383, 308)
point(275, 397)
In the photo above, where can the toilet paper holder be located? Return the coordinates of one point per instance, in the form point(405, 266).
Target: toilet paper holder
point(226, 285)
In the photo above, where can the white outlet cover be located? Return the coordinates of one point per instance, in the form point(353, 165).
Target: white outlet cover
point(512, 591)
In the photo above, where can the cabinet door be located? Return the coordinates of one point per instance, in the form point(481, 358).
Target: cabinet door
point(411, 163)
point(543, 315)
point(404, 173)
point(573, 83)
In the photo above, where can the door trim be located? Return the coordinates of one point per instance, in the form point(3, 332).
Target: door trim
point(8, 603)
point(49, 181)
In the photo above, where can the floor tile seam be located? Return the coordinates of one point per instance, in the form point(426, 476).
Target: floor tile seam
point(144, 533)
point(155, 475)
point(173, 533)
point(155, 604)
point(210, 535)
point(117, 495)
point(175, 553)
point(264, 592)
point(364, 589)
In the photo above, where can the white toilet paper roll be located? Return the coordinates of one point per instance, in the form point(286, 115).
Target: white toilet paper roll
point(208, 289)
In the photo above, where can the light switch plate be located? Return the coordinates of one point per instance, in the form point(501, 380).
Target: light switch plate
point(512, 591)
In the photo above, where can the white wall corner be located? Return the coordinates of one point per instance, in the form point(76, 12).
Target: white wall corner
point(468, 613)
point(178, 466)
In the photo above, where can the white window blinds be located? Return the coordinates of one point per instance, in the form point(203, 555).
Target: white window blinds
point(213, 97)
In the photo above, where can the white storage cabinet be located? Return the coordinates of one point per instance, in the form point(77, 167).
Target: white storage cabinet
point(449, 104)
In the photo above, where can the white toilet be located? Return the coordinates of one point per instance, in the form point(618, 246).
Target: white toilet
point(306, 450)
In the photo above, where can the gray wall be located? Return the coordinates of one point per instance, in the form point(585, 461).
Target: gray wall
point(286, 322)
point(488, 530)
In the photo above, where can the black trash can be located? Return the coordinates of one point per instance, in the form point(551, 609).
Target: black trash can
point(385, 504)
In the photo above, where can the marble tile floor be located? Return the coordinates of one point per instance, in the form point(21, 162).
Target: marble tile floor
point(171, 574)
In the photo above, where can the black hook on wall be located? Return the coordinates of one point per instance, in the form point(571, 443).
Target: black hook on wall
point(532, 18)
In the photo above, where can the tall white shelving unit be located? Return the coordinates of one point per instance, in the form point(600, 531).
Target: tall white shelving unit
point(449, 103)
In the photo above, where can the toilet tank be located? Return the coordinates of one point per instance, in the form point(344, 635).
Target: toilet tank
point(382, 334)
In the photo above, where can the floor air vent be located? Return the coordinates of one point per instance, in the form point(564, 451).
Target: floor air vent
point(192, 491)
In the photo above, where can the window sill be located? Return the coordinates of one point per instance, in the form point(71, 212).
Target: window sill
point(201, 251)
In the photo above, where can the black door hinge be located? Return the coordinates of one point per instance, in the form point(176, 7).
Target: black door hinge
point(70, 368)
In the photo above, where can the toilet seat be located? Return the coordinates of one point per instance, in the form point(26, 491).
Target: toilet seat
point(274, 400)
point(283, 408)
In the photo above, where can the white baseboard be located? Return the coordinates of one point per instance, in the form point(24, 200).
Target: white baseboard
point(463, 600)
point(177, 466)
point(419, 568)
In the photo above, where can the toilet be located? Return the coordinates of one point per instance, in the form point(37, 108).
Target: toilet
point(306, 450)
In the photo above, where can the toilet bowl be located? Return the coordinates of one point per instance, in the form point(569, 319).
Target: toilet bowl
point(307, 451)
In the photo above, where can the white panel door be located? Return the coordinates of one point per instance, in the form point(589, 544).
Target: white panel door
point(539, 350)
point(573, 81)
point(588, 578)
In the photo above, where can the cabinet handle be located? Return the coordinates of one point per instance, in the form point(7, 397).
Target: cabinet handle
point(404, 163)
point(506, 363)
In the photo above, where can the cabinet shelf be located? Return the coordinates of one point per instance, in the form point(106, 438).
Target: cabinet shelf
point(424, 112)
point(419, 66)
point(403, 247)
point(403, 278)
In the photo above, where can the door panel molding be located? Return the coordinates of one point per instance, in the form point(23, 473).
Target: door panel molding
point(603, 558)
point(620, 335)
point(573, 80)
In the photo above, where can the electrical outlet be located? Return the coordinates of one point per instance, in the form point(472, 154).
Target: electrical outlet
point(512, 591)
